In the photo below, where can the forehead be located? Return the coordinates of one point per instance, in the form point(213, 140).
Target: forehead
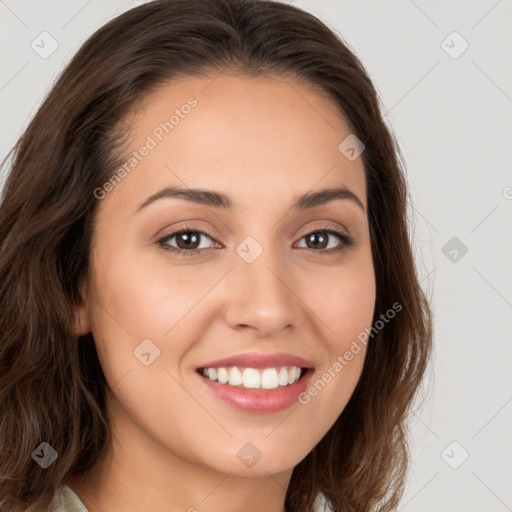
point(256, 139)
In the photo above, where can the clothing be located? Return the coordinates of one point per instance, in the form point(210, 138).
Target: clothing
point(65, 500)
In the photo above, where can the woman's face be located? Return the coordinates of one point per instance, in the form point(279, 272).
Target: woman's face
point(266, 286)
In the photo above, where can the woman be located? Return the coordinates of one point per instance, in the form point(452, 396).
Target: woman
point(209, 298)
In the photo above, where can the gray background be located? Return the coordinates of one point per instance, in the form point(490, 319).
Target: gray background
point(452, 117)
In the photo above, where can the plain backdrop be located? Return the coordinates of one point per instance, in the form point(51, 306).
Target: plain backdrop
point(444, 75)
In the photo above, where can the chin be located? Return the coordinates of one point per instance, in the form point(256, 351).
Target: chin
point(258, 457)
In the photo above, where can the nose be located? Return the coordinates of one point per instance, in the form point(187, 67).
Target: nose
point(263, 296)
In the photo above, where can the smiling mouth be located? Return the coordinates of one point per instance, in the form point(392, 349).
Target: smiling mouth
point(254, 378)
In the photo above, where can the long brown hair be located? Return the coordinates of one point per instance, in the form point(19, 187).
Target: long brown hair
point(52, 388)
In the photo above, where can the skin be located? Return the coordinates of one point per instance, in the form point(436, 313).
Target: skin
point(263, 142)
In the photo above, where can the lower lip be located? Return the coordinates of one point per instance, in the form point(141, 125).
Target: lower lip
point(260, 401)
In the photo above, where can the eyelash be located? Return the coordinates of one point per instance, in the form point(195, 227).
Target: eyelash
point(347, 240)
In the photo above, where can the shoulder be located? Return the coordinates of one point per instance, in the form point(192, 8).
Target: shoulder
point(65, 500)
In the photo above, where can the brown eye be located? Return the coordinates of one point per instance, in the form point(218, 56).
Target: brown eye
point(188, 241)
point(319, 240)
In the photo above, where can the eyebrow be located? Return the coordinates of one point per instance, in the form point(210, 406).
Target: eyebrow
point(219, 200)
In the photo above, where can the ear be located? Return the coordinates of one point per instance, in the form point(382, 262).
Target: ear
point(82, 322)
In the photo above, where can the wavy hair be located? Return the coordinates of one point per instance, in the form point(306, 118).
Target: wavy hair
point(52, 387)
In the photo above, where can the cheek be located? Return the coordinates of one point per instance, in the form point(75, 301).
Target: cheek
point(131, 305)
point(141, 297)
point(343, 298)
point(345, 303)
point(144, 298)
point(137, 304)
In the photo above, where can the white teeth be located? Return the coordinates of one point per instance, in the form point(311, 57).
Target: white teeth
point(252, 378)
point(283, 377)
point(269, 379)
point(235, 377)
point(222, 375)
point(293, 375)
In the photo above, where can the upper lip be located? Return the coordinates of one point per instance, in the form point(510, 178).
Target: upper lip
point(255, 360)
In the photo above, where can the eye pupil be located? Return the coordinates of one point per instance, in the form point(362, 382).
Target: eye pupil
point(312, 237)
point(188, 241)
point(187, 237)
